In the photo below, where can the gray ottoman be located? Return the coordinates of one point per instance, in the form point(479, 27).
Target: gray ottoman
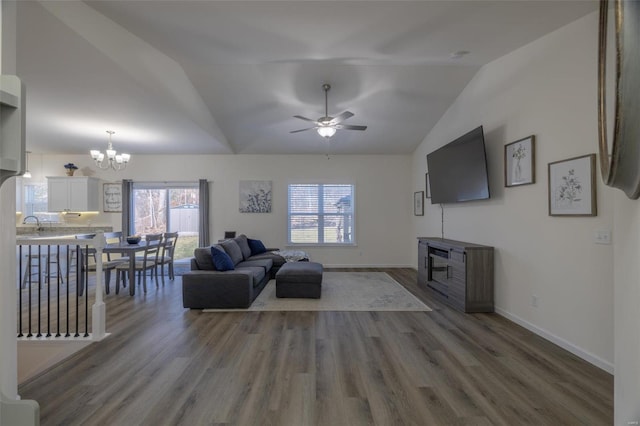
point(299, 279)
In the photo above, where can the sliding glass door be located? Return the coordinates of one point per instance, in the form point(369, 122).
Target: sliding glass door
point(159, 207)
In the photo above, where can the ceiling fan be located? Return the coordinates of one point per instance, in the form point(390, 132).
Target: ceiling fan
point(327, 125)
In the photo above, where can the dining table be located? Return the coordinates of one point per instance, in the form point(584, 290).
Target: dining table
point(129, 250)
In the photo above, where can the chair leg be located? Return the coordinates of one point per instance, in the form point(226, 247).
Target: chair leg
point(27, 272)
point(107, 280)
point(172, 275)
point(120, 275)
point(161, 273)
point(84, 277)
point(60, 273)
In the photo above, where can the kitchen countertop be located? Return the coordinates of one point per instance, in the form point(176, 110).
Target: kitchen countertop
point(55, 231)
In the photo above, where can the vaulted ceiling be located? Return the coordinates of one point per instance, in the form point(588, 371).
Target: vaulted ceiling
point(222, 77)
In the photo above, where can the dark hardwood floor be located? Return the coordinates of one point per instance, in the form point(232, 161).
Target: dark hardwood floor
point(164, 365)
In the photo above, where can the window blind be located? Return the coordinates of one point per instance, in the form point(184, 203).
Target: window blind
point(321, 214)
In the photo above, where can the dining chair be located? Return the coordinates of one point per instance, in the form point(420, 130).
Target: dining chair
point(90, 264)
point(169, 240)
point(154, 237)
point(113, 259)
point(115, 238)
point(144, 263)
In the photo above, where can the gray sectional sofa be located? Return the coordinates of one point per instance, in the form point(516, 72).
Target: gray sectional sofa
point(204, 286)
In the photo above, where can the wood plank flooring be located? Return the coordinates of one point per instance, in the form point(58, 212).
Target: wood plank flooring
point(165, 365)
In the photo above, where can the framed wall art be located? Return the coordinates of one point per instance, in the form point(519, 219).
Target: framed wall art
point(572, 187)
point(112, 197)
point(255, 196)
point(519, 162)
point(418, 203)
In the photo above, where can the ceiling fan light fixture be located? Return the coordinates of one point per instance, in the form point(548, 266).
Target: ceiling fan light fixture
point(326, 132)
point(326, 126)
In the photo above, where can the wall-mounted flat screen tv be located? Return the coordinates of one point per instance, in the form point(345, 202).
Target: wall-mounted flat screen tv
point(458, 170)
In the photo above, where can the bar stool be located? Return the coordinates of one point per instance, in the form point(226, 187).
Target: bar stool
point(39, 263)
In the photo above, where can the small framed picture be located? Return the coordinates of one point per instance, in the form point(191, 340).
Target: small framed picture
point(418, 203)
point(427, 186)
point(572, 187)
point(519, 162)
point(112, 197)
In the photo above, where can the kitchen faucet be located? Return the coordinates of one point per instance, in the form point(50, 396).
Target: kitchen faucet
point(24, 221)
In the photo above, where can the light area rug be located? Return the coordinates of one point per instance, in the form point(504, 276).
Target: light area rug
point(342, 291)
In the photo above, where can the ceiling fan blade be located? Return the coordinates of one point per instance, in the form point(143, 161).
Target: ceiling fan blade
point(341, 117)
point(305, 119)
point(349, 127)
point(302, 130)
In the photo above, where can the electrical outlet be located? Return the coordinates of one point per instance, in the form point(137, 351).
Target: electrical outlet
point(534, 301)
point(602, 236)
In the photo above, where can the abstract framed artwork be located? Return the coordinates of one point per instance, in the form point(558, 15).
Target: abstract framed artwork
point(572, 187)
point(255, 196)
point(519, 162)
point(418, 203)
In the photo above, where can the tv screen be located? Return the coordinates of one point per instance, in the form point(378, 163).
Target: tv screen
point(458, 170)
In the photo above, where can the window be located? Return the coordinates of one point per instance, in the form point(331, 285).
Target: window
point(31, 200)
point(321, 214)
point(167, 207)
point(35, 198)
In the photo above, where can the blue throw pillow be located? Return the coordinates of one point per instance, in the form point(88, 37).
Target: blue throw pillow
point(256, 246)
point(221, 260)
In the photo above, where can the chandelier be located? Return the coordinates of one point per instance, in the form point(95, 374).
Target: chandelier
point(112, 159)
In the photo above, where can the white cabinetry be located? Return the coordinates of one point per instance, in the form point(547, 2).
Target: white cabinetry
point(73, 194)
point(12, 127)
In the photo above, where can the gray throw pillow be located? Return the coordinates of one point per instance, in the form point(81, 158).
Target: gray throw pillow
point(204, 259)
point(233, 250)
point(243, 243)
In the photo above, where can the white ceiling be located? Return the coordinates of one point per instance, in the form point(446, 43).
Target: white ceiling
point(221, 77)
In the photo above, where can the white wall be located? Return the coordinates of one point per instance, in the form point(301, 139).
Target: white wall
point(548, 89)
point(383, 196)
point(627, 298)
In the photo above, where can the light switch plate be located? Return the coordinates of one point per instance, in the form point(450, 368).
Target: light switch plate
point(602, 236)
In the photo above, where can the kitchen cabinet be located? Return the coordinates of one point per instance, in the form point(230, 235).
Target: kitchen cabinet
point(12, 127)
point(73, 194)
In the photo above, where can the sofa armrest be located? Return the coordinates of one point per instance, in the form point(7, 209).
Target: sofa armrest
point(216, 289)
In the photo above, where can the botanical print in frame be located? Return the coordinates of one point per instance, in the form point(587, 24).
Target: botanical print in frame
point(112, 197)
point(255, 196)
point(519, 162)
point(572, 187)
point(418, 203)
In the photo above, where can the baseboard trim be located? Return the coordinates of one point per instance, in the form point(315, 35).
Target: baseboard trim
point(564, 344)
point(377, 265)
